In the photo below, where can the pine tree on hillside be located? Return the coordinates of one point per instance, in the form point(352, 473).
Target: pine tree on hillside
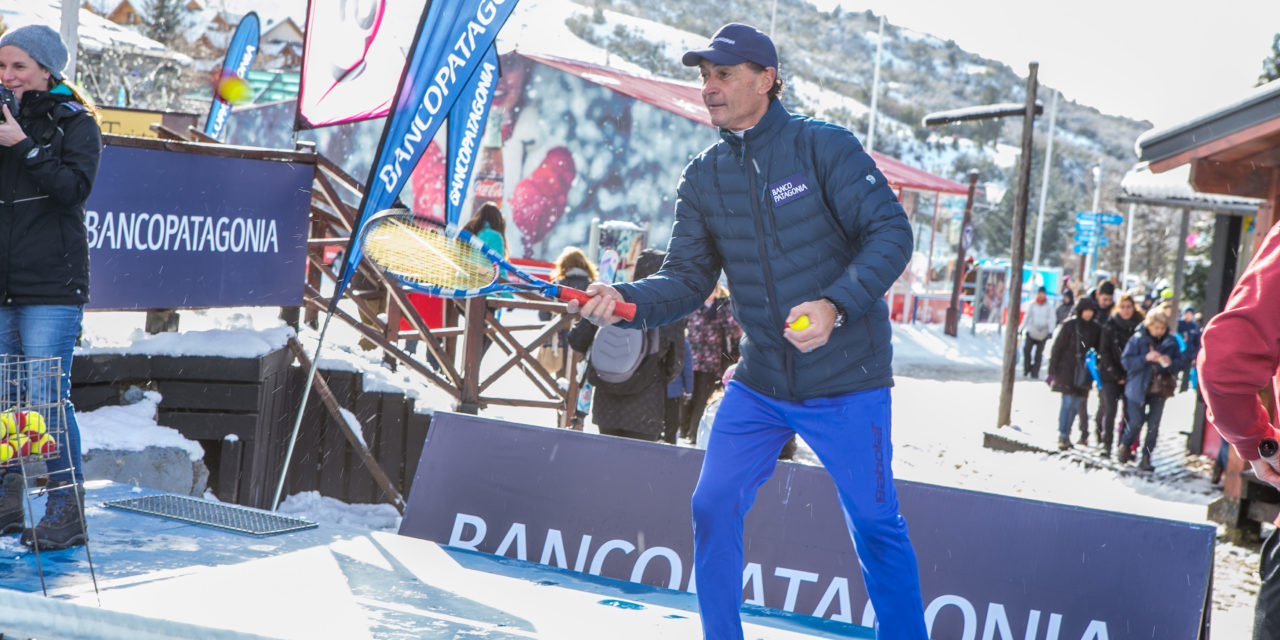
point(1271, 65)
point(164, 20)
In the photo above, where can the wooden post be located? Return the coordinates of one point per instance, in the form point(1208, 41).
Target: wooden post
point(472, 353)
point(953, 311)
point(1016, 251)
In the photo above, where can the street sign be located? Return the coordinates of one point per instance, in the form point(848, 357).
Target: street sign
point(1086, 238)
point(1086, 225)
point(1087, 215)
point(1083, 249)
point(1110, 218)
point(1100, 242)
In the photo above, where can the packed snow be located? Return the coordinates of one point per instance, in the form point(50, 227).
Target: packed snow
point(945, 397)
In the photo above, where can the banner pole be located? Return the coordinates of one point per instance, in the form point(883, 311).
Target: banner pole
point(302, 406)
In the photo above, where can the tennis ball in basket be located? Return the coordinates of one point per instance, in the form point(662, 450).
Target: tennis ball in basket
point(39, 445)
point(8, 450)
point(32, 423)
point(9, 424)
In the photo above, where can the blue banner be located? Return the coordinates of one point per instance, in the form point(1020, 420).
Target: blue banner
point(991, 566)
point(466, 126)
point(169, 229)
point(450, 46)
point(240, 54)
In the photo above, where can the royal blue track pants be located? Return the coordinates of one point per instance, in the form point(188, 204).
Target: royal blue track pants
point(850, 435)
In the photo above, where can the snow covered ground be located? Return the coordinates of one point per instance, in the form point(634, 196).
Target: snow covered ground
point(946, 396)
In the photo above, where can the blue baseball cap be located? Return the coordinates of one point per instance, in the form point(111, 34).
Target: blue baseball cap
point(734, 44)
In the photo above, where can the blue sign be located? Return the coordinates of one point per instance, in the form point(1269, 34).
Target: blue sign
point(1086, 238)
point(1086, 225)
point(1084, 249)
point(620, 508)
point(1087, 216)
point(1110, 218)
point(171, 229)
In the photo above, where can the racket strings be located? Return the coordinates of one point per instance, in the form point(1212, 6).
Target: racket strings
point(427, 256)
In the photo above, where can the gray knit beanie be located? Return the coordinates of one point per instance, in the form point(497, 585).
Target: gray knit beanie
point(42, 43)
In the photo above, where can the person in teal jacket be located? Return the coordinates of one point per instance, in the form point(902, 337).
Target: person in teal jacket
point(802, 223)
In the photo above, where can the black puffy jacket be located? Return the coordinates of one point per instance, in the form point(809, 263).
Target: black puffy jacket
point(44, 183)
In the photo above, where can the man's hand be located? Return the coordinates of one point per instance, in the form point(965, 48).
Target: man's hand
point(599, 309)
point(11, 132)
point(821, 318)
point(1266, 472)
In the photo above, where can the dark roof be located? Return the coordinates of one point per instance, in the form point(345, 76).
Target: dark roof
point(1257, 109)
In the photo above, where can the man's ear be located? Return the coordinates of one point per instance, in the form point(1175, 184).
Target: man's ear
point(767, 78)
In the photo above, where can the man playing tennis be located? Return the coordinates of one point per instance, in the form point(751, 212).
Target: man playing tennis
point(802, 224)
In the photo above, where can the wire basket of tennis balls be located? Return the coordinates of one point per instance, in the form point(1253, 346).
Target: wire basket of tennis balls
point(25, 437)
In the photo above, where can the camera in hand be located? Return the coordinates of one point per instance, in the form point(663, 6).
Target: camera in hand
point(8, 99)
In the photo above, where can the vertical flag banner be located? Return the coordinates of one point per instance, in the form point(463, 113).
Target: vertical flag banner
point(353, 55)
point(452, 40)
point(231, 79)
point(467, 122)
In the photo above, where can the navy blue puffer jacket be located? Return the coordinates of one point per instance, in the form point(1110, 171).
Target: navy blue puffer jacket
point(792, 211)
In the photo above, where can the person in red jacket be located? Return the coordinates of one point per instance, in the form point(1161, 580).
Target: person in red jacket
point(1240, 357)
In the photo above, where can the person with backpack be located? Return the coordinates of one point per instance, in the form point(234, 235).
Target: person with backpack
point(630, 368)
point(803, 225)
point(1068, 374)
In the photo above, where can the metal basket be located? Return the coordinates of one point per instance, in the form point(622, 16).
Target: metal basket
point(33, 423)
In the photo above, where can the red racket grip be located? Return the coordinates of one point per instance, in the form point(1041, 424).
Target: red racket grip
point(624, 310)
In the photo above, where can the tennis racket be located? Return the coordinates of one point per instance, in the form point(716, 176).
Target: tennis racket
point(446, 261)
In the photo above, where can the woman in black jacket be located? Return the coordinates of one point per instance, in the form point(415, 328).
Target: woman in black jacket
point(637, 411)
point(49, 153)
point(1067, 372)
point(1116, 332)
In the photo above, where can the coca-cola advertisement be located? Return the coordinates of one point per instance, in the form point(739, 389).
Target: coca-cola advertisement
point(571, 150)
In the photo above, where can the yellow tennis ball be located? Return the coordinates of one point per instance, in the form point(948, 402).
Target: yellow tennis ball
point(32, 422)
point(22, 444)
point(8, 424)
point(41, 445)
point(7, 450)
point(234, 89)
point(800, 324)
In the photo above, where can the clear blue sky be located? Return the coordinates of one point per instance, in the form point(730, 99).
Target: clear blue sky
point(1164, 61)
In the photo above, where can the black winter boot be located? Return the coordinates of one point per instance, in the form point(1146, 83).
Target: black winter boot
point(1123, 453)
point(11, 519)
point(61, 526)
point(1144, 464)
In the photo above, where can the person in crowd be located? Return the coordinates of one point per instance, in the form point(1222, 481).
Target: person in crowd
point(1151, 360)
point(1104, 297)
point(1037, 326)
point(1067, 305)
point(50, 148)
point(488, 225)
point(1067, 372)
point(1189, 331)
point(636, 412)
point(773, 183)
point(1116, 332)
point(713, 335)
point(572, 269)
point(679, 392)
point(1238, 363)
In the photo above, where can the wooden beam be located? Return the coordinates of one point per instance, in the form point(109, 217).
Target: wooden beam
point(1224, 143)
point(1236, 179)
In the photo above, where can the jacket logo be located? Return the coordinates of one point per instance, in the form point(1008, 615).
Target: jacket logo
point(788, 189)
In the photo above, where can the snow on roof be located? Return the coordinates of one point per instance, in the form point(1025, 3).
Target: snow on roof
point(95, 32)
point(1175, 184)
point(1258, 94)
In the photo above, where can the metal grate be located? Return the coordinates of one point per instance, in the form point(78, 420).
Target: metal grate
point(254, 522)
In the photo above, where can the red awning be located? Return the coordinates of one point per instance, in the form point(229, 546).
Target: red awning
point(685, 100)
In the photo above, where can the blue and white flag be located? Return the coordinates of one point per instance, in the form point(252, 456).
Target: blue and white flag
point(451, 44)
point(467, 122)
point(240, 54)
